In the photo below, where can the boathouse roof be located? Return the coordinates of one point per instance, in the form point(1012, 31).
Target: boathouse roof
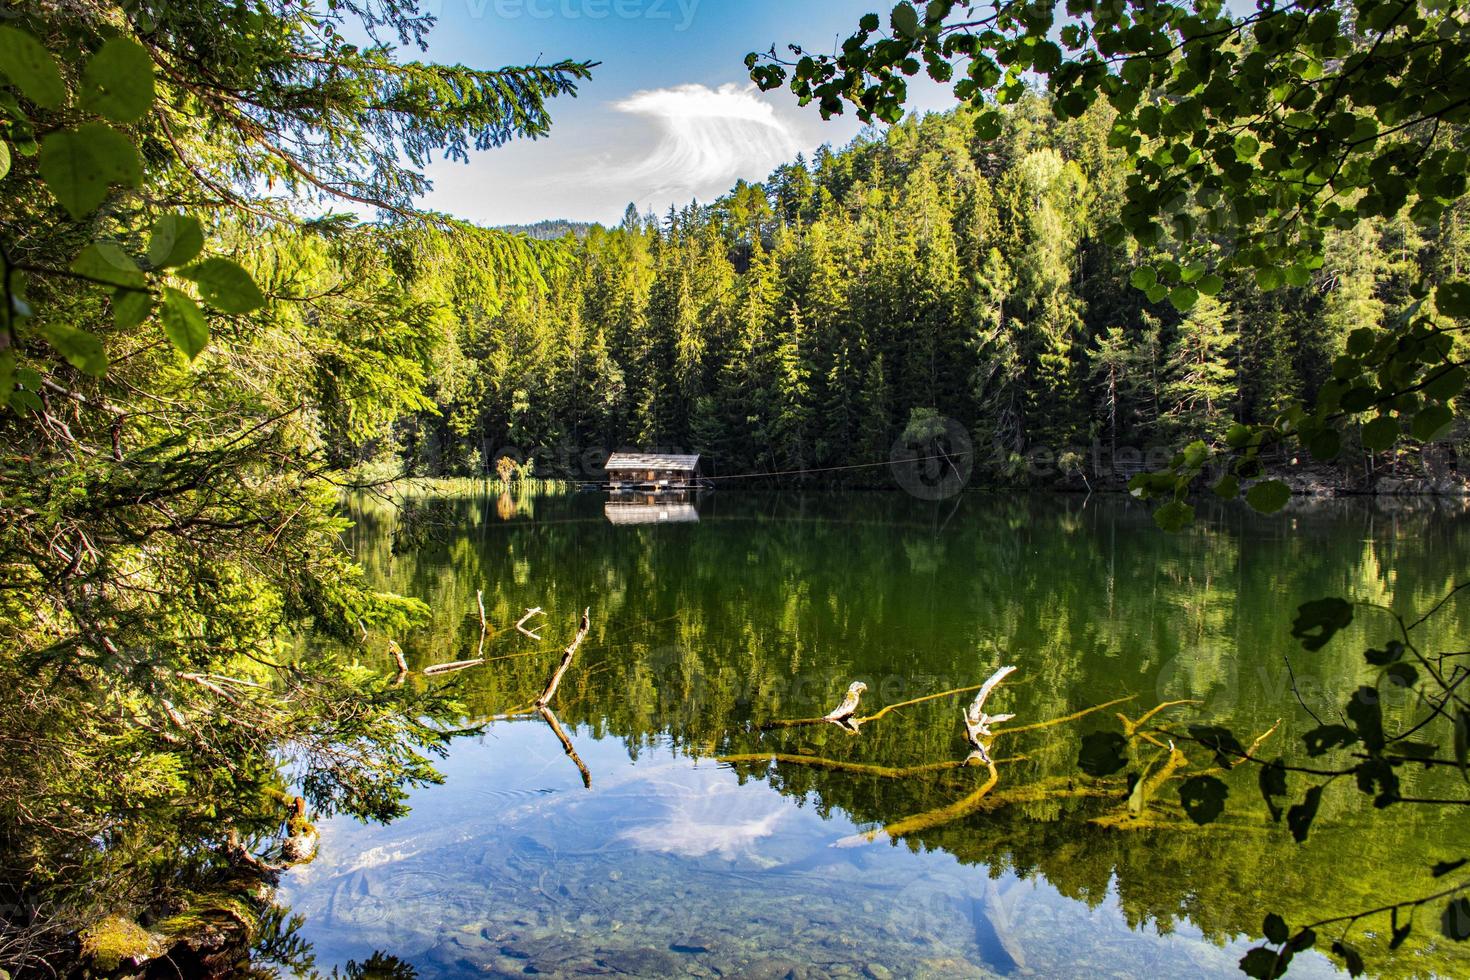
point(651, 461)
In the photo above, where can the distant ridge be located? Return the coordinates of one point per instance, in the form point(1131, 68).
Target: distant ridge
point(551, 229)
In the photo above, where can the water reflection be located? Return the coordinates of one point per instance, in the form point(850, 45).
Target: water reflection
point(650, 508)
point(771, 607)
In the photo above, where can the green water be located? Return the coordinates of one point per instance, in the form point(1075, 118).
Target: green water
point(768, 607)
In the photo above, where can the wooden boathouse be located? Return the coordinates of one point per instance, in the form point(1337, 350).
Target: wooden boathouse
point(652, 472)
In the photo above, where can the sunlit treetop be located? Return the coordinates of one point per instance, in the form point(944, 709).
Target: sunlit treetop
point(112, 114)
point(1261, 128)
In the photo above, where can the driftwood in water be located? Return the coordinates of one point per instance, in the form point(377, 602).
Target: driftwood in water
point(849, 704)
point(933, 818)
point(859, 768)
point(477, 660)
point(981, 798)
point(451, 667)
point(397, 652)
point(566, 660)
point(484, 624)
point(977, 722)
point(566, 745)
point(854, 722)
point(521, 623)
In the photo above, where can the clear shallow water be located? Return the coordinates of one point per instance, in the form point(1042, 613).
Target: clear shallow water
point(674, 863)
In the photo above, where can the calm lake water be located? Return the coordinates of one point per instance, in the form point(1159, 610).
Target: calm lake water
point(710, 619)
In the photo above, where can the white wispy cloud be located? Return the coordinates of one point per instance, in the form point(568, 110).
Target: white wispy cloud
point(707, 138)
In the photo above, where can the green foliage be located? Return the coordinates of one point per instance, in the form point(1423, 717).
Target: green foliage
point(1318, 621)
point(82, 165)
point(170, 525)
point(176, 240)
point(1203, 798)
point(183, 323)
point(118, 81)
point(1268, 127)
point(1268, 496)
point(30, 68)
point(225, 286)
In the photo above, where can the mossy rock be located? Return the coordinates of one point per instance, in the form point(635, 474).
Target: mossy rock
point(118, 939)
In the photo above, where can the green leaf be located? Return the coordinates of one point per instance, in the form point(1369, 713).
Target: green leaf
point(1454, 921)
point(1299, 818)
point(1272, 782)
point(1221, 741)
point(118, 81)
point(1324, 737)
point(81, 349)
point(1442, 868)
point(1380, 434)
point(1228, 488)
point(1358, 399)
point(1143, 277)
point(23, 401)
point(1392, 652)
point(1446, 384)
point(1403, 674)
point(1366, 715)
point(1174, 516)
point(4, 158)
point(1102, 753)
point(183, 323)
point(1268, 496)
point(130, 307)
point(1431, 422)
point(176, 239)
point(1325, 445)
point(106, 262)
point(80, 165)
point(1398, 933)
point(1453, 298)
point(905, 20)
point(1183, 298)
point(1351, 958)
point(1264, 964)
point(1318, 621)
point(31, 68)
point(1210, 285)
point(225, 286)
point(1203, 798)
point(1275, 930)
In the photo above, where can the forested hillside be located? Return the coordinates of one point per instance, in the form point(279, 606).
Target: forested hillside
point(549, 229)
point(806, 321)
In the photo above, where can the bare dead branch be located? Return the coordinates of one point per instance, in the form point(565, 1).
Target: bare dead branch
point(566, 660)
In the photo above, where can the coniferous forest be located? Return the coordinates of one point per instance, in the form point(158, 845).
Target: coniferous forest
point(809, 320)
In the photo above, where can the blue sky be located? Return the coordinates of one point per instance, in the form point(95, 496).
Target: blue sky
point(670, 115)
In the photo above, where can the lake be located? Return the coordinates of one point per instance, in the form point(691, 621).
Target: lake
point(711, 619)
